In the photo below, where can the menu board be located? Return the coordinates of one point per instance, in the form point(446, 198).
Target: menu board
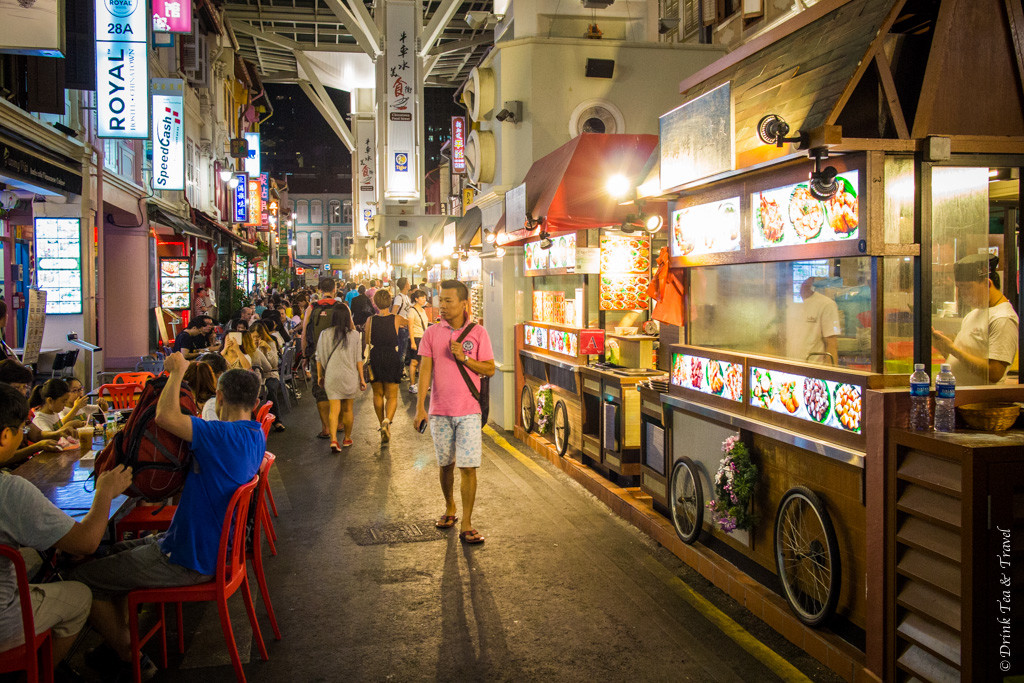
point(535, 336)
point(561, 341)
point(708, 376)
point(58, 248)
point(562, 253)
point(549, 307)
point(710, 228)
point(175, 284)
point(534, 257)
point(790, 215)
point(834, 404)
point(625, 272)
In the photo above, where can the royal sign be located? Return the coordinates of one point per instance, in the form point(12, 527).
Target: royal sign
point(240, 213)
point(252, 159)
point(168, 134)
point(458, 144)
point(122, 69)
point(172, 16)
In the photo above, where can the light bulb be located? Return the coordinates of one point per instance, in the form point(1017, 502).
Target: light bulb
point(233, 183)
point(447, 264)
point(654, 224)
point(500, 252)
point(490, 238)
point(225, 175)
point(617, 185)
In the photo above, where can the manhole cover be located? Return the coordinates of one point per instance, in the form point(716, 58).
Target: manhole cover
point(397, 532)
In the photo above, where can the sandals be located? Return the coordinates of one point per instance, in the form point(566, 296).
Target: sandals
point(471, 537)
point(446, 522)
point(335, 448)
point(385, 431)
point(323, 435)
point(278, 427)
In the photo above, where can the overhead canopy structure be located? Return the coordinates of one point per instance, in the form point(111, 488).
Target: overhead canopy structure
point(567, 189)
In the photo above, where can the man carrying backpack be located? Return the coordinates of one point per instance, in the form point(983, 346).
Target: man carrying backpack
point(318, 319)
point(227, 454)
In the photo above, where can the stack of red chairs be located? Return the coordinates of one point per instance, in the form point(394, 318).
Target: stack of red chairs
point(35, 655)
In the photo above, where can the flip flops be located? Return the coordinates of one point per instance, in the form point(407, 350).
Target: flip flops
point(471, 537)
point(335, 448)
point(446, 522)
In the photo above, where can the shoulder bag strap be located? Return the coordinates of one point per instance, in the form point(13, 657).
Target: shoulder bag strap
point(462, 366)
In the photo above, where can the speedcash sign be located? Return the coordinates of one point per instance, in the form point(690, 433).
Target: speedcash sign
point(122, 69)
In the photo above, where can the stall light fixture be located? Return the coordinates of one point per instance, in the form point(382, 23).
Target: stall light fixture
point(500, 252)
point(823, 184)
point(653, 224)
point(617, 186)
point(225, 175)
point(772, 130)
point(447, 264)
point(545, 240)
point(489, 236)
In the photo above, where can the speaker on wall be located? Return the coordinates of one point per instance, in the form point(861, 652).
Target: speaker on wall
point(600, 68)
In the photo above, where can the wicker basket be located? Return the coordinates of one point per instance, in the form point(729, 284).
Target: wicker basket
point(991, 417)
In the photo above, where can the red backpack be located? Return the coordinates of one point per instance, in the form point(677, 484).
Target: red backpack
point(160, 461)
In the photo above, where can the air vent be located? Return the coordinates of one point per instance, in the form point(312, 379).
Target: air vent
point(596, 116)
point(479, 94)
point(480, 157)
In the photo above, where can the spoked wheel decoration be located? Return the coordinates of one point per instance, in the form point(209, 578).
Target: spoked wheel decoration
point(527, 409)
point(807, 556)
point(686, 500)
point(561, 428)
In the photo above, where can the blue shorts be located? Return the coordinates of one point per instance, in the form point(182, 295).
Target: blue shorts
point(457, 440)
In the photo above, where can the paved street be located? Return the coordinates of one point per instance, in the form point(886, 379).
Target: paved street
point(366, 589)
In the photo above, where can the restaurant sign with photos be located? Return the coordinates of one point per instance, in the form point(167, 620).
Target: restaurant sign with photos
point(58, 252)
point(122, 68)
point(400, 157)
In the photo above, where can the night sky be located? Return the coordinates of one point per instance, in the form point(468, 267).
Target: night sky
point(297, 141)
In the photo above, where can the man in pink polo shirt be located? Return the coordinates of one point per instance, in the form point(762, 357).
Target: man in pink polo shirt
point(454, 412)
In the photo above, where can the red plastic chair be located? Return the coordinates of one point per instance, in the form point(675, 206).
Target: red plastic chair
point(122, 396)
point(231, 575)
point(144, 518)
point(37, 646)
point(262, 411)
point(139, 378)
point(266, 422)
point(254, 552)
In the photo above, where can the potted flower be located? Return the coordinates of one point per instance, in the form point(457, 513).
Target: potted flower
point(735, 481)
point(545, 409)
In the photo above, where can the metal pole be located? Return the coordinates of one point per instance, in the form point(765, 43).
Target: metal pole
point(923, 261)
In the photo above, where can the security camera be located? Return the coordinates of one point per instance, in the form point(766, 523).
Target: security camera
point(511, 112)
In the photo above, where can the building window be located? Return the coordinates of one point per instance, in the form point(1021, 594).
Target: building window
point(317, 248)
point(302, 212)
point(346, 212)
point(336, 245)
point(316, 212)
point(334, 212)
point(190, 171)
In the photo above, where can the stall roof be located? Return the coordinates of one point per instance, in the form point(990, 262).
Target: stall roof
point(468, 226)
point(216, 226)
point(567, 186)
point(175, 223)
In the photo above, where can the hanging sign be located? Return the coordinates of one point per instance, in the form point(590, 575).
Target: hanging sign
point(122, 69)
point(400, 158)
point(697, 138)
point(255, 202)
point(241, 210)
point(35, 323)
point(458, 144)
point(168, 134)
point(172, 16)
point(366, 174)
point(252, 159)
point(264, 203)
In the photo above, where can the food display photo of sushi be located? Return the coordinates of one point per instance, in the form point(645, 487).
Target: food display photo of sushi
point(833, 404)
point(791, 215)
point(710, 228)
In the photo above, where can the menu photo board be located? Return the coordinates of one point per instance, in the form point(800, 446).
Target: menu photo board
point(834, 404)
point(708, 376)
point(535, 336)
point(790, 215)
point(561, 255)
point(625, 272)
point(564, 342)
point(175, 284)
point(710, 228)
point(58, 246)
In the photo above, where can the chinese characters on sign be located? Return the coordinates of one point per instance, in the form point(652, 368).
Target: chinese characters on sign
point(264, 225)
point(172, 16)
point(122, 69)
point(401, 78)
point(366, 173)
point(255, 202)
point(241, 210)
point(168, 134)
point(458, 144)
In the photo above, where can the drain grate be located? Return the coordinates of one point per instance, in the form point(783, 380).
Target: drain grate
point(397, 532)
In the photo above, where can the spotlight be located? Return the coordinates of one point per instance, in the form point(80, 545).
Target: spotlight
point(653, 224)
point(489, 237)
point(823, 184)
point(225, 175)
point(500, 252)
point(617, 185)
point(447, 264)
point(545, 240)
point(233, 183)
point(772, 130)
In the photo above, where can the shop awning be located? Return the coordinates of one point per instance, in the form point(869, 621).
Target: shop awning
point(217, 227)
point(567, 188)
point(467, 227)
point(175, 223)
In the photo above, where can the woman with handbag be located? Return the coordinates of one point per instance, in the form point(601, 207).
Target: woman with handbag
point(339, 363)
point(381, 334)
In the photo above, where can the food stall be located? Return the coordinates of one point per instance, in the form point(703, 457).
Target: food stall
point(818, 247)
point(468, 272)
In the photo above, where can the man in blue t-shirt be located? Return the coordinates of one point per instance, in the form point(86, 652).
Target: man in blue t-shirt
point(227, 455)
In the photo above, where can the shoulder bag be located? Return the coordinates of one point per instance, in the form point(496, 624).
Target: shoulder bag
point(482, 395)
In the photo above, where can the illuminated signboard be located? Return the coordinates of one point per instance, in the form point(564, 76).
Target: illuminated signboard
point(172, 16)
point(240, 214)
point(122, 69)
point(706, 228)
point(168, 134)
point(366, 174)
point(59, 264)
point(708, 376)
point(834, 404)
point(255, 202)
point(264, 225)
point(567, 343)
point(458, 144)
point(790, 215)
point(535, 336)
point(401, 77)
point(175, 284)
point(252, 162)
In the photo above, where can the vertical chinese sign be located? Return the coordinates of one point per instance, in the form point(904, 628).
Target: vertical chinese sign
point(172, 16)
point(240, 213)
point(366, 174)
point(402, 85)
point(255, 202)
point(264, 225)
point(168, 134)
point(122, 69)
point(458, 144)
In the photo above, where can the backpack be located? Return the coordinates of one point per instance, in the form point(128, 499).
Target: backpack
point(319, 320)
point(160, 461)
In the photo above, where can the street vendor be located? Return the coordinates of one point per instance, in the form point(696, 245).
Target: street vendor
point(987, 341)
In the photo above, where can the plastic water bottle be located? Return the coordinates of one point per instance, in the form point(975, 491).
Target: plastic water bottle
point(920, 400)
point(945, 391)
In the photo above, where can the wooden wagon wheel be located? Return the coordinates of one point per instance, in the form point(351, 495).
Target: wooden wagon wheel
point(561, 428)
point(686, 500)
point(807, 556)
point(527, 409)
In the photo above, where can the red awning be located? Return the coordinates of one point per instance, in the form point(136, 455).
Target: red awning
point(567, 187)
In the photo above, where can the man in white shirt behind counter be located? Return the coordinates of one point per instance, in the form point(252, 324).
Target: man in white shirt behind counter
point(813, 327)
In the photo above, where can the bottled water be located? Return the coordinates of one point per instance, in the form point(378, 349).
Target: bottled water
point(945, 391)
point(920, 400)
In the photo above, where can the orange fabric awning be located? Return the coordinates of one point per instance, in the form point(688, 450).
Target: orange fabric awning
point(567, 186)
